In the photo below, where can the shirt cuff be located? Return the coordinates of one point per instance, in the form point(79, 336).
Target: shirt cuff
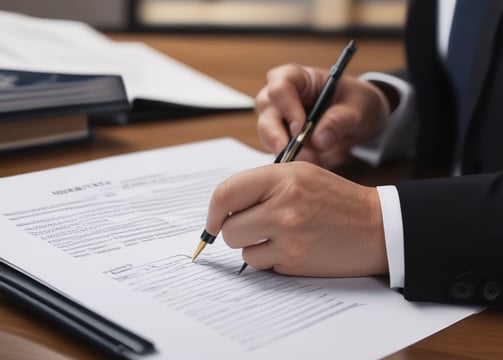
point(396, 140)
point(393, 234)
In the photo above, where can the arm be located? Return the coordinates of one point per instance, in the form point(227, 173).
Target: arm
point(453, 232)
point(358, 113)
point(300, 219)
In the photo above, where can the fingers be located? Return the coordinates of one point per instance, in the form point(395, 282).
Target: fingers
point(357, 112)
point(260, 256)
point(241, 229)
point(329, 159)
point(272, 131)
point(289, 88)
point(338, 124)
point(231, 195)
point(300, 219)
point(251, 230)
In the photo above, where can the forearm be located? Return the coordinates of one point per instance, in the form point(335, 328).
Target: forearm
point(453, 233)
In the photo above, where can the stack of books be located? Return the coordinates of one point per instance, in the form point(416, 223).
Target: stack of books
point(57, 77)
point(38, 108)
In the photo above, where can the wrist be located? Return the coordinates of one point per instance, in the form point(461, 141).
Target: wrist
point(377, 244)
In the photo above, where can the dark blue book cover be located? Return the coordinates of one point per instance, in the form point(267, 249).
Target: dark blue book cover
point(27, 94)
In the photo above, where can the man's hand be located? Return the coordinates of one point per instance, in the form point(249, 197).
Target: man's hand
point(358, 112)
point(300, 219)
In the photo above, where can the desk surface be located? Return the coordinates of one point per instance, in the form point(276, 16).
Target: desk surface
point(241, 62)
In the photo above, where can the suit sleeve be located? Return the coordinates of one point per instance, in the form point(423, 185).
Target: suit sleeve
point(453, 239)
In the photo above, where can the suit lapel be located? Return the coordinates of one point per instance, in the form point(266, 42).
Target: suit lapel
point(436, 138)
point(481, 63)
point(421, 37)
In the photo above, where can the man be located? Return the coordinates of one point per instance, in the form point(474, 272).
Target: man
point(440, 239)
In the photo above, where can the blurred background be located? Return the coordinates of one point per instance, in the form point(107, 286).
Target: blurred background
point(306, 16)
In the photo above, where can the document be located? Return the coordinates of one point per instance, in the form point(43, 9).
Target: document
point(62, 46)
point(117, 234)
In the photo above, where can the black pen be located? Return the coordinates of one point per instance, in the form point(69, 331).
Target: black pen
point(296, 143)
point(70, 315)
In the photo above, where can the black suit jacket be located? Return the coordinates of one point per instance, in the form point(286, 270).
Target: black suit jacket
point(453, 226)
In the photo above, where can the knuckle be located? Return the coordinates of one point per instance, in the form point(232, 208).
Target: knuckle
point(281, 71)
point(277, 88)
point(291, 219)
point(280, 78)
point(261, 100)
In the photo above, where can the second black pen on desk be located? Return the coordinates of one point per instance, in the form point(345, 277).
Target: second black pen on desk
point(295, 145)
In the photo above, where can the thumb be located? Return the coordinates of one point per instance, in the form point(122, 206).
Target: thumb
point(337, 123)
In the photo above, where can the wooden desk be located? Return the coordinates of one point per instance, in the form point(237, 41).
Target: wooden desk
point(241, 62)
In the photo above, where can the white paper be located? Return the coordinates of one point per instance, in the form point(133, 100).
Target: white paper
point(35, 44)
point(117, 235)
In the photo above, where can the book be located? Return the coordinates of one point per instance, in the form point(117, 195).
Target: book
point(379, 14)
point(304, 15)
point(38, 108)
point(105, 248)
point(157, 85)
point(112, 14)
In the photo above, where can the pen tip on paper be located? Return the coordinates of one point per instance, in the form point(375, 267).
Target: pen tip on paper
point(199, 249)
point(243, 267)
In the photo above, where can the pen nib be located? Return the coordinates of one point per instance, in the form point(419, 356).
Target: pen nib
point(243, 267)
point(199, 249)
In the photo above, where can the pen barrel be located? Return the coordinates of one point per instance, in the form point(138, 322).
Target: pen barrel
point(322, 102)
point(296, 144)
point(320, 105)
point(330, 85)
